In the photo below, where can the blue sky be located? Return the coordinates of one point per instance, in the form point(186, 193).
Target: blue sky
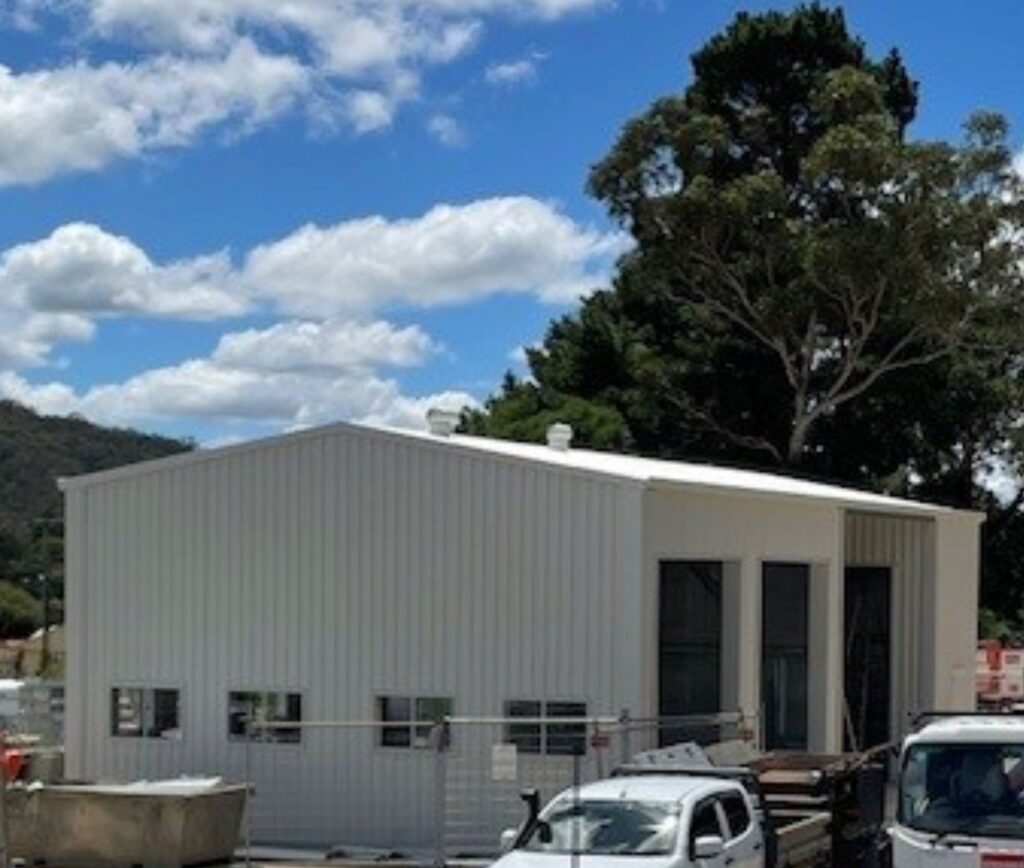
point(218, 221)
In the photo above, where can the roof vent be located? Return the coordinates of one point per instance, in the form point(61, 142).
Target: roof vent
point(442, 422)
point(560, 436)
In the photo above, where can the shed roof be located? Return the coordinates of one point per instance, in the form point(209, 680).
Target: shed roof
point(647, 472)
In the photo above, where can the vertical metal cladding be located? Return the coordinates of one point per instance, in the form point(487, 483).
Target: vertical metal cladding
point(347, 564)
point(343, 564)
point(906, 546)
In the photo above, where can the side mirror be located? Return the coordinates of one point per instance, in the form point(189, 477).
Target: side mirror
point(708, 847)
point(508, 838)
point(531, 798)
point(544, 832)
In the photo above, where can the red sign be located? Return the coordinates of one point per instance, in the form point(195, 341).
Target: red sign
point(1002, 860)
point(994, 653)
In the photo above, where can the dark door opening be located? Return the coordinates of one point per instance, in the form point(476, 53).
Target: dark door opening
point(868, 643)
point(784, 673)
point(689, 645)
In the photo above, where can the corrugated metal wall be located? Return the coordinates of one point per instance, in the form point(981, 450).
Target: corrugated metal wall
point(907, 547)
point(345, 565)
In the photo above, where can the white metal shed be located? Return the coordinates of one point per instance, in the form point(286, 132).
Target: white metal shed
point(346, 564)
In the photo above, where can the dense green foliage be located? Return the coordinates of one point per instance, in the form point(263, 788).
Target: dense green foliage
point(993, 626)
point(34, 451)
point(809, 289)
point(21, 614)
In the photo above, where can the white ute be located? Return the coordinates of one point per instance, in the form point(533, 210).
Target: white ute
point(961, 798)
point(649, 821)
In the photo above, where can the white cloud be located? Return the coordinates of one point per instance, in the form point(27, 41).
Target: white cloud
point(452, 254)
point(401, 411)
point(82, 117)
point(209, 391)
point(29, 337)
point(448, 131)
point(514, 72)
point(53, 289)
point(518, 356)
point(333, 345)
point(351, 61)
point(82, 269)
point(352, 34)
point(370, 110)
point(347, 37)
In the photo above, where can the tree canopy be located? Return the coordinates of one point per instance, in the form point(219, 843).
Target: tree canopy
point(810, 287)
point(21, 614)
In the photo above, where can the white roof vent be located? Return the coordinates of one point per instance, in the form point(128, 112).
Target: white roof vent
point(442, 422)
point(560, 436)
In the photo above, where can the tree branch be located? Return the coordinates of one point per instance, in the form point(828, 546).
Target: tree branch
point(745, 441)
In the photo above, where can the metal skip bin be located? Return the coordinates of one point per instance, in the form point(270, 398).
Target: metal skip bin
point(160, 824)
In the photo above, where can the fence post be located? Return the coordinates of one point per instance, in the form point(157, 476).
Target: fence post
point(624, 751)
point(440, 738)
point(4, 851)
point(250, 791)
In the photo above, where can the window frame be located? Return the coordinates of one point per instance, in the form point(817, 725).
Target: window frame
point(406, 735)
point(269, 736)
point(714, 803)
point(566, 732)
point(147, 712)
point(736, 796)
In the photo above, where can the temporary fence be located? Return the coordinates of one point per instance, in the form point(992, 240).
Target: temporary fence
point(487, 763)
point(437, 790)
point(40, 714)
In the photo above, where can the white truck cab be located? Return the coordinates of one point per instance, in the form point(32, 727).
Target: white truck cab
point(961, 795)
point(653, 821)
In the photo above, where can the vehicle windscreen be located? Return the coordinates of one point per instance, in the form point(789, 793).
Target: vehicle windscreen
point(968, 789)
point(621, 828)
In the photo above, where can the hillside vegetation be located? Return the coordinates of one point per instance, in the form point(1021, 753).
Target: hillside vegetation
point(34, 451)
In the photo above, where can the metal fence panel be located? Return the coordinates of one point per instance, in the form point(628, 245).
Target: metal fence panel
point(40, 713)
point(459, 782)
point(490, 762)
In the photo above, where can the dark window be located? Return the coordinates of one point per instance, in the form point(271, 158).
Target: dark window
point(397, 713)
point(126, 712)
point(563, 739)
point(566, 739)
point(144, 712)
point(248, 709)
point(396, 710)
point(527, 737)
point(165, 712)
point(705, 822)
point(784, 655)
point(690, 643)
point(736, 813)
point(868, 627)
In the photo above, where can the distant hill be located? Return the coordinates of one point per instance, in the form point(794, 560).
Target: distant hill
point(35, 450)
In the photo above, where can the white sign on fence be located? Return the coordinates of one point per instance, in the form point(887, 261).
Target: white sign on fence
point(504, 762)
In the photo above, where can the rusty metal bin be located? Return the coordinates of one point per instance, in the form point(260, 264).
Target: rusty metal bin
point(97, 826)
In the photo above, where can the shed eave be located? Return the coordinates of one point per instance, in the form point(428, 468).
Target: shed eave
point(881, 506)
